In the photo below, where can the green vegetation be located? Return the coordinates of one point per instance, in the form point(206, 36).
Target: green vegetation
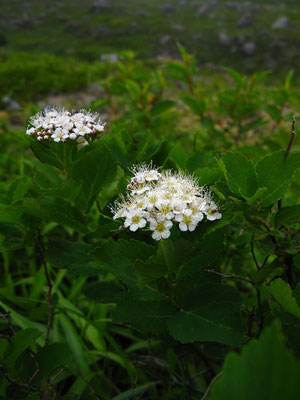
point(77, 29)
point(92, 310)
point(89, 310)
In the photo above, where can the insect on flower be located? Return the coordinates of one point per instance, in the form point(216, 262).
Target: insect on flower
point(160, 199)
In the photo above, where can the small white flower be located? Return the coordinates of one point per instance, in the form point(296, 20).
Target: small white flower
point(73, 136)
point(82, 130)
point(188, 221)
point(165, 209)
point(30, 131)
point(59, 135)
point(141, 189)
point(161, 229)
point(134, 220)
point(99, 128)
point(211, 211)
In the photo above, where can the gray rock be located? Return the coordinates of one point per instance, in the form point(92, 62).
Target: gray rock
point(109, 58)
point(249, 48)
point(241, 39)
point(178, 27)
point(203, 9)
point(95, 88)
point(281, 23)
point(13, 106)
point(224, 39)
point(164, 39)
point(10, 104)
point(168, 9)
point(197, 36)
point(245, 22)
point(142, 13)
point(134, 24)
point(100, 5)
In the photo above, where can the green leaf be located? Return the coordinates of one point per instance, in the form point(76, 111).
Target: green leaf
point(119, 258)
point(264, 370)
point(287, 216)
point(75, 342)
point(51, 358)
point(146, 316)
point(179, 156)
point(139, 390)
point(96, 169)
point(19, 187)
point(239, 173)
point(59, 155)
point(197, 106)
point(283, 294)
point(275, 172)
point(104, 292)
point(207, 176)
point(210, 310)
point(71, 255)
point(19, 343)
point(161, 107)
point(177, 71)
point(133, 89)
point(49, 208)
point(201, 329)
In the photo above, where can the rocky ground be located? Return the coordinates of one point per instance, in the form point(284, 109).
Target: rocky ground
point(243, 34)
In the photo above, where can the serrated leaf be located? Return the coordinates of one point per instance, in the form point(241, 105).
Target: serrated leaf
point(104, 292)
point(119, 258)
point(197, 106)
point(71, 255)
point(264, 370)
point(19, 343)
point(207, 176)
point(179, 156)
point(146, 316)
point(283, 294)
point(51, 358)
point(275, 172)
point(19, 188)
point(161, 107)
point(287, 216)
point(96, 169)
point(210, 310)
point(201, 329)
point(49, 208)
point(239, 173)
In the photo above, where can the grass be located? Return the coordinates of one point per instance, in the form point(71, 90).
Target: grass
point(69, 28)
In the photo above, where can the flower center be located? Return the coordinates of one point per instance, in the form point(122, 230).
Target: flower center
point(160, 227)
point(211, 211)
point(165, 209)
point(135, 219)
point(187, 220)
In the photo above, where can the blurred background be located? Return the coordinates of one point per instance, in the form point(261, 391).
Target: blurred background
point(50, 48)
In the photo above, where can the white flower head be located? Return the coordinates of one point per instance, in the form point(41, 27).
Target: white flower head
point(134, 220)
point(161, 199)
point(59, 125)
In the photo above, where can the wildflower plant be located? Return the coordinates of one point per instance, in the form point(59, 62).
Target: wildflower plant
point(159, 200)
point(59, 125)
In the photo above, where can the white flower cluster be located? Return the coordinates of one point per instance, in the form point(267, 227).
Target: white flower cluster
point(161, 199)
point(60, 125)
